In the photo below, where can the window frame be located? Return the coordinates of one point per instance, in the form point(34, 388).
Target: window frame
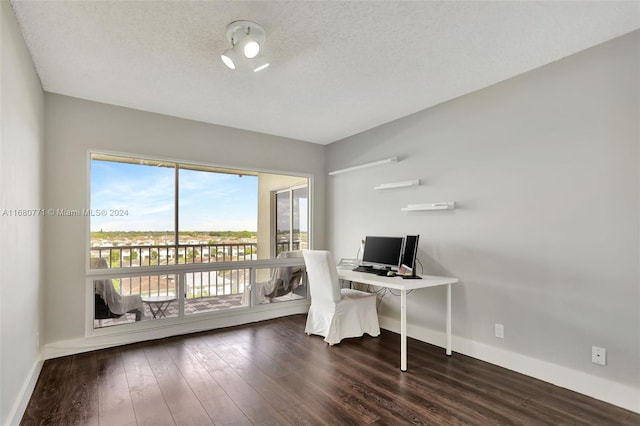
point(274, 223)
point(181, 269)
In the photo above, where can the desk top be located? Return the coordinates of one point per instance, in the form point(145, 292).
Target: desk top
point(397, 282)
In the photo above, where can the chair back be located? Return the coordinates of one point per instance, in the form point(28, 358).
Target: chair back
point(99, 263)
point(101, 287)
point(323, 276)
point(104, 288)
point(106, 294)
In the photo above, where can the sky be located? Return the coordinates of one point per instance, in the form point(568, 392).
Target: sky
point(144, 198)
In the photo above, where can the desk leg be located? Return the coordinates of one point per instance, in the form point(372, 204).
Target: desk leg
point(403, 330)
point(449, 319)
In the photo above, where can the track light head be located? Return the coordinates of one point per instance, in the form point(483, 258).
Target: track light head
point(250, 47)
point(259, 63)
point(246, 37)
point(230, 58)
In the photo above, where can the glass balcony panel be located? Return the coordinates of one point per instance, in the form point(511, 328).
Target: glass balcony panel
point(280, 284)
point(210, 291)
point(283, 222)
point(126, 300)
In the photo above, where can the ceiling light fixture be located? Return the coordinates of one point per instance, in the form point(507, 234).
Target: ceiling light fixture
point(246, 39)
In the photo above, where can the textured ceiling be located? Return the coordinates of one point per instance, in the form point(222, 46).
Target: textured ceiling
point(337, 67)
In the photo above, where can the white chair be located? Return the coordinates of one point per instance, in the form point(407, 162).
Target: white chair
point(336, 313)
point(108, 302)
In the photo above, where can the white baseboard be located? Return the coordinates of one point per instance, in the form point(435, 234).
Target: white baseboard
point(615, 393)
point(165, 329)
point(20, 405)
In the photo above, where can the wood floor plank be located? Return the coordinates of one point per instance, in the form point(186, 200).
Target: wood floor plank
point(272, 373)
point(83, 396)
point(320, 375)
point(50, 401)
point(196, 375)
point(582, 407)
point(148, 402)
point(325, 401)
point(182, 402)
point(115, 406)
point(455, 399)
point(252, 404)
point(224, 412)
point(260, 373)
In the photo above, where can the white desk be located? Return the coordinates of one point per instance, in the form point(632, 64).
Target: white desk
point(398, 283)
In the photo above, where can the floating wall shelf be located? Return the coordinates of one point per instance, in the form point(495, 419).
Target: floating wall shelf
point(449, 205)
point(393, 185)
point(362, 166)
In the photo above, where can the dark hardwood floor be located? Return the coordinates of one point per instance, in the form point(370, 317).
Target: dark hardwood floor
point(272, 373)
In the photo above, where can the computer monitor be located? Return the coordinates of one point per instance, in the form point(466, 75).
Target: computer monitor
point(409, 255)
point(382, 252)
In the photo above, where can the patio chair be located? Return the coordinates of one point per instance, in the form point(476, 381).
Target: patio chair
point(108, 303)
point(283, 280)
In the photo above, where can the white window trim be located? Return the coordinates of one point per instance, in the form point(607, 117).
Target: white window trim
point(169, 326)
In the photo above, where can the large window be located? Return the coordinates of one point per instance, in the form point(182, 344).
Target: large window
point(147, 214)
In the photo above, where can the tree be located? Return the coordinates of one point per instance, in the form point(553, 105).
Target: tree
point(115, 258)
point(191, 253)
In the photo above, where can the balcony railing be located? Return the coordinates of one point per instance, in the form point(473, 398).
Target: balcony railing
point(197, 284)
point(149, 255)
point(284, 246)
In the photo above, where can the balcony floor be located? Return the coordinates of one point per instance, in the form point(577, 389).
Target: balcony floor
point(193, 307)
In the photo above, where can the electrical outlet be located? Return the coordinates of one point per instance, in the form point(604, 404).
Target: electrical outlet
point(598, 355)
point(499, 329)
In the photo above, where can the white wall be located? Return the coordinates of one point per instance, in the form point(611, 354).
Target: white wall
point(544, 168)
point(21, 146)
point(545, 240)
point(75, 126)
